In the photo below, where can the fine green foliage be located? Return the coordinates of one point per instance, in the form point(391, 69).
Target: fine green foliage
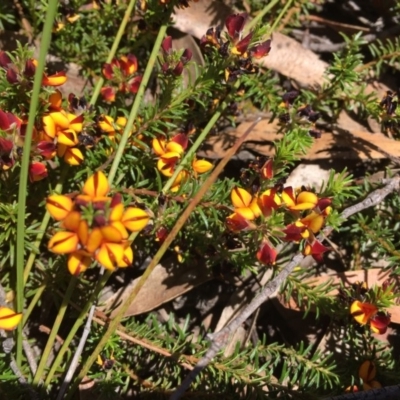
point(110, 177)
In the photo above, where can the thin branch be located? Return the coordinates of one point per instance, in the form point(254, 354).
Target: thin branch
point(219, 339)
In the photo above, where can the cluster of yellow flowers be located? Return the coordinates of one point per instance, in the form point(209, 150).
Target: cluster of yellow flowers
point(308, 211)
point(170, 153)
point(95, 226)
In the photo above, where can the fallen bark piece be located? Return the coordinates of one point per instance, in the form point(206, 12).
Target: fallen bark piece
point(167, 282)
point(354, 144)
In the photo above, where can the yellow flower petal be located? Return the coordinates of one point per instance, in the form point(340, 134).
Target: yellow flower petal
point(121, 121)
point(117, 212)
point(9, 319)
point(158, 145)
point(68, 137)
point(240, 198)
point(72, 221)
point(60, 119)
point(307, 197)
point(64, 242)
point(106, 124)
point(94, 240)
point(49, 126)
point(174, 147)
point(54, 80)
point(59, 206)
point(111, 234)
point(73, 156)
point(78, 262)
point(55, 99)
point(96, 185)
point(166, 164)
point(245, 212)
point(135, 219)
point(313, 221)
point(121, 228)
point(127, 259)
point(110, 255)
point(75, 122)
point(202, 166)
point(367, 371)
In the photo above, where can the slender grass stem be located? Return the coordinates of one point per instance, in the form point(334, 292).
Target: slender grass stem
point(32, 304)
point(114, 48)
point(137, 103)
point(261, 14)
point(54, 331)
point(43, 226)
point(79, 321)
point(23, 181)
point(280, 16)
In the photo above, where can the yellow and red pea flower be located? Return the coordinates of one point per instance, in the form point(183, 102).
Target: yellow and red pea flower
point(9, 319)
point(101, 235)
point(170, 64)
point(379, 322)
point(57, 79)
point(315, 249)
point(295, 232)
point(121, 72)
point(367, 372)
point(108, 93)
point(268, 201)
point(236, 222)
point(37, 171)
point(267, 254)
point(62, 127)
point(362, 312)
point(245, 204)
point(304, 200)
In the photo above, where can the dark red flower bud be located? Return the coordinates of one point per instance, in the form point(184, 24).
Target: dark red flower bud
point(267, 254)
point(167, 45)
point(134, 84)
point(116, 199)
point(161, 234)
point(186, 56)
point(8, 121)
point(235, 24)
point(100, 220)
point(30, 68)
point(11, 76)
point(5, 60)
point(6, 146)
point(178, 69)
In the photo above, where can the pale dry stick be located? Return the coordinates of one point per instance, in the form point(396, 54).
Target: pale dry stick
point(75, 360)
point(219, 339)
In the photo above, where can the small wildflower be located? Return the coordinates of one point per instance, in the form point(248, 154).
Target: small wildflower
point(267, 254)
point(9, 319)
